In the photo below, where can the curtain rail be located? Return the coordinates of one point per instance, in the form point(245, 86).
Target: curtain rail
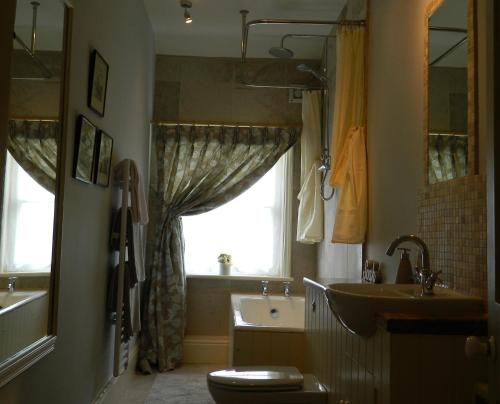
point(235, 125)
point(15, 118)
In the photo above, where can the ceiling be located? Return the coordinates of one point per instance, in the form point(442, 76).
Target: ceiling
point(216, 27)
point(452, 14)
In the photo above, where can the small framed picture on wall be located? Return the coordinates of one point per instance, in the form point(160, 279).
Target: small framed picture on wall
point(98, 83)
point(85, 142)
point(103, 161)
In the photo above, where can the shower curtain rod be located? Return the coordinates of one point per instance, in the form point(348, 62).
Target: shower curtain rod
point(273, 21)
point(167, 123)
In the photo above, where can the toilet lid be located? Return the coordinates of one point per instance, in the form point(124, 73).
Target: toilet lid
point(271, 377)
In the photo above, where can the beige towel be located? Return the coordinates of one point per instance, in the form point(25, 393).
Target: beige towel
point(139, 204)
point(351, 178)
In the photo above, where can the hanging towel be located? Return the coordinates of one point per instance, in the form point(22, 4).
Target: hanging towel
point(310, 212)
point(139, 205)
point(351, 178)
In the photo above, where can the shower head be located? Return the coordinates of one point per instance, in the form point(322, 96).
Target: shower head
point(281, 52)
point(308, 69)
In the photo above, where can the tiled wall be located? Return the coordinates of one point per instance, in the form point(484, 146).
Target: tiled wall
point(452, 221)
point(206, 90)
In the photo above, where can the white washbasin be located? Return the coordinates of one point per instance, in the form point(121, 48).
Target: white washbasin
point(355, 305)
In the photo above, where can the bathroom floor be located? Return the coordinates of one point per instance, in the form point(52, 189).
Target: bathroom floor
point(186, 385)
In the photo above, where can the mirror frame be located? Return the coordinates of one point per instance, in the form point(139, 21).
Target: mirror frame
point(472, 85)
point(25, 358)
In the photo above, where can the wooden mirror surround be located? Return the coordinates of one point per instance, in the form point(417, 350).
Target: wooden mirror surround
point(30, 74)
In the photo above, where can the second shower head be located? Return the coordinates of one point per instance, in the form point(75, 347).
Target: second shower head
point(308, 69)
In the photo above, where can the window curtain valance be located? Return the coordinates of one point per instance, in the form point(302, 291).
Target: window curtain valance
point(33, 144)
point(194, 169)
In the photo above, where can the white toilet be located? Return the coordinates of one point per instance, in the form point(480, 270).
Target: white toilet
point(265, 385)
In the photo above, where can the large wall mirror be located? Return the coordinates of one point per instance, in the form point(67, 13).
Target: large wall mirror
point(32, 176)
point(450, 124)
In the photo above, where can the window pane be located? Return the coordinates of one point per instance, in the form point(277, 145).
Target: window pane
point(249, 228)
point(28, 222)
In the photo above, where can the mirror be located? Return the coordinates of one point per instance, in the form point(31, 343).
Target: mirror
point(450, 124)
point(32, 178)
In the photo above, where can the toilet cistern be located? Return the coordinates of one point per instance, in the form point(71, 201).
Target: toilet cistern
point(426, 277)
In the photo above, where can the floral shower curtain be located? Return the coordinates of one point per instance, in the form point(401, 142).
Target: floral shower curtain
point(194, 169)
point(447, 157)
point(33, 144)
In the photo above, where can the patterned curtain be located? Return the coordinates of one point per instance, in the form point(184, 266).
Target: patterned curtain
point(33, 144)
point(194, 169)
point(447, 157)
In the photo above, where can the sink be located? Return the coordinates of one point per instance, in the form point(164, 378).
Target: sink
point(355, 305)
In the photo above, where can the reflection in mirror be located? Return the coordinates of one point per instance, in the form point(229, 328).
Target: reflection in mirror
point(30, 174)
point(448, 123)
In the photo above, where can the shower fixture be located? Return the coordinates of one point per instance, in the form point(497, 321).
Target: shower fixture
point(281, 52)
point(308, 69)
point(186, 5)
point(47, 74)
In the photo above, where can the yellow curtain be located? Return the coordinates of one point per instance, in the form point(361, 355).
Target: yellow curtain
point(310, 213)
point(349, 172)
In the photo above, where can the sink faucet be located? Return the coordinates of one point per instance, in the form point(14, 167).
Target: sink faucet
point(11, 285)
point(426, 277)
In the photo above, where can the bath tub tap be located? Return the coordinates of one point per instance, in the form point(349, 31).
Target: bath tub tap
point(265, 288)
point(11, 285)
point(286, 289)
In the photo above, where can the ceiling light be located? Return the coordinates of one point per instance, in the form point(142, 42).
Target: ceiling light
point(186, 5)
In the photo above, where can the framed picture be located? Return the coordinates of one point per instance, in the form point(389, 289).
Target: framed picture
point(98, 83)
point(103, 160)
point(85, 142)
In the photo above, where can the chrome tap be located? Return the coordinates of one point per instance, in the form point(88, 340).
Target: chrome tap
point(11, 285)
point(265, 288)
point(425, 276)
point(286, 289)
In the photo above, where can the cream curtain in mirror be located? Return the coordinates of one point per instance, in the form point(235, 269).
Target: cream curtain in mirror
point(33, 144)
point(310, 212)
point(194, 169)
point(349, 171)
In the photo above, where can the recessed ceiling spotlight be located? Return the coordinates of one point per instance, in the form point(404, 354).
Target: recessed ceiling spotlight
point(186, 5)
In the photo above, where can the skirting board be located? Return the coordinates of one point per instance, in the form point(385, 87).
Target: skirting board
point(205, 349)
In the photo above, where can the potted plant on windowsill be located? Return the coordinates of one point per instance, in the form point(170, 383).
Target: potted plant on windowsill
point(224, 263)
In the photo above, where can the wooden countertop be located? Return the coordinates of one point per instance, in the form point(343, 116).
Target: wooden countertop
point(415, 323)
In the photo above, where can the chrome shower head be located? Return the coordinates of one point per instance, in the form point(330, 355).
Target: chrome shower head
point(308, 69)
point(281, 53)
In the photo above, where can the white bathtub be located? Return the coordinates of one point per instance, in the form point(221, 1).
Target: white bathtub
point(271, 313)
point(267, 331)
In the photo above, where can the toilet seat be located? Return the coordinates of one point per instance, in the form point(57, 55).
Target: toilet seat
point(268, 378)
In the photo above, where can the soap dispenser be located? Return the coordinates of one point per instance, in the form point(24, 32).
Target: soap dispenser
point(405, 272)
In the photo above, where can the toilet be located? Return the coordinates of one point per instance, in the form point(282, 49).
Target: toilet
point(265, 385)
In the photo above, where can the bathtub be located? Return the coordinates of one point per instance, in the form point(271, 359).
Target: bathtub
point(267, 330)
point(23, 319)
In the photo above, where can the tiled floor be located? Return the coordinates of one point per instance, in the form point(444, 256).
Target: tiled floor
point(133, 388)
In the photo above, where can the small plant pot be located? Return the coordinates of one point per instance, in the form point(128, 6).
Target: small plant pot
point(224, 269)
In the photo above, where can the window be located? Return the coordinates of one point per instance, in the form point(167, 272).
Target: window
point(28, 215)
point(253, 228)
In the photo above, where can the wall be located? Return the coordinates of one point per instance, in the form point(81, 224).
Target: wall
point(81, 363)
point(395, 124)
point(206, 90)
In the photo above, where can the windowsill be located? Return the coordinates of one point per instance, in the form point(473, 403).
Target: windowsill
point(25, 274)
point(240, 277)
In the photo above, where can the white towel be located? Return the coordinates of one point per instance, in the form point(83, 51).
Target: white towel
point(310, 218)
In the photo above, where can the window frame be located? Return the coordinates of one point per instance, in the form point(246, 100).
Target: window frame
point(286, 217)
